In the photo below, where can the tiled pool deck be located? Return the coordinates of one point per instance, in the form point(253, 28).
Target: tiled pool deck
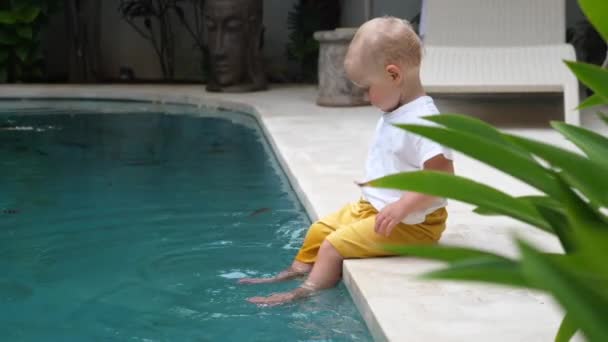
point(323, 151)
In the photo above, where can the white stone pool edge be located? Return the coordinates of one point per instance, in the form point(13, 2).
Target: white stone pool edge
point(322, 150)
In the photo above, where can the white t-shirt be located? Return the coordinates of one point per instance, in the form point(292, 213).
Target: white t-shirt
point(394, 150)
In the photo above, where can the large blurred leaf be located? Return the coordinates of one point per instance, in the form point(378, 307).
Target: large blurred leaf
point(567, 329)
point(585, 175)
point(467, 264)
point(588, 308)
point(594, 145)
point(552, 212)
point(2, 74)
point(604, 117)
point(444, 253)
point(492, 153)
point(487, 270)
point(485, 212)
point(593, 248)
point(535, 200)
point(580, 214)
point(560, 226)
point(468, 124)
point(592, 76)
point(591, 234)
point(3, 56)
point(596, 11)
point(462, 189)
point(7, 17)
point(592, 101)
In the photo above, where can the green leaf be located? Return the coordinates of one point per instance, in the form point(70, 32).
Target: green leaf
point(462, 189)
point(579, 266)
point(586, 306)
point(594, 145)
point(492, 153)
point(28, 14)
point(603, 117)
point(25, 32)
point(595, 11)
point(535, 200)
point(3, 56)
point(485, 212)
point(567, 329)
point(591, 235)
point(593, 76)
point(3, 75)
point(467, 264)
point(552, 212)
point(22, 53)
point(444, 253)
point(487, 270)
point(7, 18)
point(543, 201)
point(468, 124)
point(580, 214)
point(587, 176)
point(592, 101)
point(560, 226)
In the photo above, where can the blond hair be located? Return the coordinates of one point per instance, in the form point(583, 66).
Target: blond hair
point(383, 41)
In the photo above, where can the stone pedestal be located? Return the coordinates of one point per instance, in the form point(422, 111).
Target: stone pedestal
point(335, 89)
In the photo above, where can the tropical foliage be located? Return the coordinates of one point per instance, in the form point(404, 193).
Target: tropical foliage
point(21, 21)
point(573, 204)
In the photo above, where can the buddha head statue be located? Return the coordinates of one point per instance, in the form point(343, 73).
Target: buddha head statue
point(233, 32)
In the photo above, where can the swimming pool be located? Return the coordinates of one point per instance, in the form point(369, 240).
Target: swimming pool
point(136, 227)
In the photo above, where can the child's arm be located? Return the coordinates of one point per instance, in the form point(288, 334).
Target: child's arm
point(410, 202)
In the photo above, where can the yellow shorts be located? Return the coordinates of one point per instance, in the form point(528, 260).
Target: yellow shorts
point(351, 232)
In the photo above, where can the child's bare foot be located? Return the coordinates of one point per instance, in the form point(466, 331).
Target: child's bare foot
point(281, 298)
point(288, 274)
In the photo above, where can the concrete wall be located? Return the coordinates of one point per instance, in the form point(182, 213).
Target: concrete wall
point(352, 13)
point(405, 9)
point(277, 35)
point(55, 47)
point(122, 46)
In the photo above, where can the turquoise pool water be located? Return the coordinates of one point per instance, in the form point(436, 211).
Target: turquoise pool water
point(136, 226)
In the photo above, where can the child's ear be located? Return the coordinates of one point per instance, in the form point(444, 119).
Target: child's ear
point(394, 72)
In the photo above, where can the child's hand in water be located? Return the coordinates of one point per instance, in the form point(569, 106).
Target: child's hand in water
point(389, 217)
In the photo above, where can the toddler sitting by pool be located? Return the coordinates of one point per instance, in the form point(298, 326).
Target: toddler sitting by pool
point(384, 58)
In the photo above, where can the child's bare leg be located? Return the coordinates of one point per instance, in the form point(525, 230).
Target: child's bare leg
point(297, 269)
point(325, 273)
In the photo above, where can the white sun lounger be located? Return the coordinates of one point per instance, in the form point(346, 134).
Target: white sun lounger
point(498, 46)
